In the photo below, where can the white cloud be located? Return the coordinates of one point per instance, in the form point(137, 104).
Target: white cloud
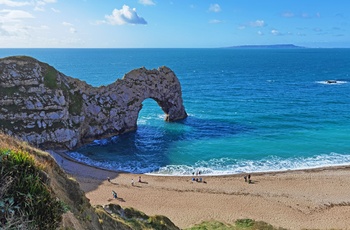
point(37, 8)
point(257, 23)
point(147, 2)
point(260, 33)
point(215, 8)
point(126, 15)
point(55, 10)
point(67, 24)
point(71, 27)
point(288, 14)
point(39, 5)
point(215, 21)
point(275, 32)
point(14, 15)
point(11, 23)
point(13, 3)
point(72, 30)
point(3, 31)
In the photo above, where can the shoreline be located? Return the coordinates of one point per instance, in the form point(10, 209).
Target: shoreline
point(62, 154)
point(293, 199)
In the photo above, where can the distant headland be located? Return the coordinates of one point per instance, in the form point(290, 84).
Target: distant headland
point(275, 46)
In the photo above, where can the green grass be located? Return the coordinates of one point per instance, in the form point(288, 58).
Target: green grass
point(50, 78)
point(8, 91)
point(23, 191)
point(240, 224)
point(134, 219)
point(76, 103)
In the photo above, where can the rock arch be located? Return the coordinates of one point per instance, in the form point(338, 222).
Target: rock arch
point(46, 108)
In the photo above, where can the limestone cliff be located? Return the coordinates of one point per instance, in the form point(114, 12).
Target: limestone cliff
point(44, 107)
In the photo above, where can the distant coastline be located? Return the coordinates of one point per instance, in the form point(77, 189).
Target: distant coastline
point(275, 46)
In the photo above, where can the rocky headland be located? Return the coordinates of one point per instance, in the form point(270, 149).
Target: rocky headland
point(48, 109)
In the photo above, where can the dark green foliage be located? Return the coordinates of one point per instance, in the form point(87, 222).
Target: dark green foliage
point(245, 223)
point(240, 224)
point(26, 193)
point(212, 225)
point(133, 219)
point(50, 78)
point(76, 103)
point(8, 91)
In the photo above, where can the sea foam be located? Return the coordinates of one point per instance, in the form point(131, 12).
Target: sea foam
point(225, 166)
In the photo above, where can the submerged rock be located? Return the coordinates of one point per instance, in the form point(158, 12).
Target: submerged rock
point(48, 109)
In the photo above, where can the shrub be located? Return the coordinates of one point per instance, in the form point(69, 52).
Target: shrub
point(50, 78)
point(24, 192)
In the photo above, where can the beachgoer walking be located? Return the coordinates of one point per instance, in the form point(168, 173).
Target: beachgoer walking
point(109, 179)
point(139, 179)
point(249, 180)
point(115, 196)
point(132, 182)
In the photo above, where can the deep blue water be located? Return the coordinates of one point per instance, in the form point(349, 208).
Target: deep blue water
point(249, 109)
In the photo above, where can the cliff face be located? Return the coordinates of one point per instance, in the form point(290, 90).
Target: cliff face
point(44, 107)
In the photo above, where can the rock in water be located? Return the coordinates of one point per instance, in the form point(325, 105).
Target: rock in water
point(42, 106)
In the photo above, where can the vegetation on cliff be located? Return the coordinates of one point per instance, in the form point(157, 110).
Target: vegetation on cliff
point(240, 224)
point(26, 198)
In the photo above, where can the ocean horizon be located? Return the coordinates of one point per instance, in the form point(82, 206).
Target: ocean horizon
point(250, 110)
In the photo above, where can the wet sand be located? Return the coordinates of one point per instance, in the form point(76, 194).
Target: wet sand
point(315, 198)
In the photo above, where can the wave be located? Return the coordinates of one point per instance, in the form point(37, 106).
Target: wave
point(225, 166)
point(332, 82)
point(222, 166)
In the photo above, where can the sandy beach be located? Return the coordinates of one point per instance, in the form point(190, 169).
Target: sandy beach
point(313, 199)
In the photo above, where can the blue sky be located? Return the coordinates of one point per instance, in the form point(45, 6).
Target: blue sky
point(173, 24)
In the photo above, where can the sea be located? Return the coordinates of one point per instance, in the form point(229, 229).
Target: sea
point(249, 110)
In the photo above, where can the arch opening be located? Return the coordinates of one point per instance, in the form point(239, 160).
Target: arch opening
point(150, 112)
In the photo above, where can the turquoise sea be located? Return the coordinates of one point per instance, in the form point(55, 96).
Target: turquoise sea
point(250, 110)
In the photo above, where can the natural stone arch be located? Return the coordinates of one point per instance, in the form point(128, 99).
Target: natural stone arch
point(161, 85)
point(47, 108)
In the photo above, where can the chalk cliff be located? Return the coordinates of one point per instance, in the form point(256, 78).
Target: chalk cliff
point(42, 106)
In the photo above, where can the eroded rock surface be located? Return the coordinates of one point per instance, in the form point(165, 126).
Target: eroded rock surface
point(44, 107)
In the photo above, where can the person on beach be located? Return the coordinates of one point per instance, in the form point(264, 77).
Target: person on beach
point(132, 182)
point(249, 180)
point(115, 196)
point(139, 179)
point(109, 179)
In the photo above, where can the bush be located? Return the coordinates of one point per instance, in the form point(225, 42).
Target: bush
point(23, 192)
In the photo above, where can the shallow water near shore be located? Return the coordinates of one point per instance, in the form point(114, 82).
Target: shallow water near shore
point(249, 110)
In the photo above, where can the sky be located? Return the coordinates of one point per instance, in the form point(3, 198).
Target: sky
point(173, 23)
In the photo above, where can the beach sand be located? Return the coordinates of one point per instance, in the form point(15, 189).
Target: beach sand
point(317, 198)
